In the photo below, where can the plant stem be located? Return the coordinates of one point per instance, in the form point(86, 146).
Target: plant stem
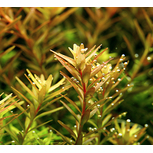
point(79, 139)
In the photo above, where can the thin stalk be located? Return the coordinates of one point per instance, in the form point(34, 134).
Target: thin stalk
point(79, 139)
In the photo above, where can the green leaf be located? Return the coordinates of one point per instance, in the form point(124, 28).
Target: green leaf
point(67, 128)
point(49, 103)
point(20, 138)
point(61, 82)
point(47, 140)
point(34, 79)
point(10, 63)
point(11, 133)
point(107, 137)
point(110, 107)
point(32, 112)
point(98, 68)
point(106, 119)
point(6, 108)
point(42, 94)
point(22, 95)
point(56, 93)
point(7, 51)
point(72, 102)
point(143, 57)
point(64, 138)
point(39, 125)
point(48, 112)
point(70, 110)
point(3, 118)
point(26, 88)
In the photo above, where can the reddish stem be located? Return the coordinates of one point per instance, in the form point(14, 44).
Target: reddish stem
point(84, 91)
point(38, 109)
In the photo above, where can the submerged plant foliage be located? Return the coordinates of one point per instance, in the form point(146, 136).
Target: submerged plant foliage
point(101, 86)
point(94, 83)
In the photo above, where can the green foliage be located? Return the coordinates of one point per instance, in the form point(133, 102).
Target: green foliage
point(100, 85)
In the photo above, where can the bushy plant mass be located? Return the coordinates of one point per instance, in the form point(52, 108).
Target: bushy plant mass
point(77, 76)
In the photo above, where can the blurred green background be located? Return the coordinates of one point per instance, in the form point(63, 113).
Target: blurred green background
point(34, 31)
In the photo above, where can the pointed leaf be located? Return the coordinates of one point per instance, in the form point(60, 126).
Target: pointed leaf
point(99, 55)
point(92, 54)
point(64, 138)
point(140, 32)
point(92, 113)
point(49, 82)
point(101, 83)
point(85, 117)
point(90, 50)
point(98, 68)
point(33, 79)
point(96, 103)
point(89, 94)
point(56, 93)
point(10, 25)
point(70, 110)
point(148, 19)
point(75, 86)
point(3, 118)
point(26, 88)
point(89, 140)
point(86, 73)
point(22, 95)
point(49, 103)
point(6, 98)
point(80, 61)
point(70, 60)
point(107, 137)
point(48, 112)
point(61, 82)
point(10, 62)
point(70, 68)
point(106, 119)
point(72, 102)
point(129, 46)
point(39, 125)
point(67, 128)
point(7, 51)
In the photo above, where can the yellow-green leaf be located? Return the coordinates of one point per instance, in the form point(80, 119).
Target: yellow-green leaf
point(68, 59)
point(48, 112)
point(86, 73)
